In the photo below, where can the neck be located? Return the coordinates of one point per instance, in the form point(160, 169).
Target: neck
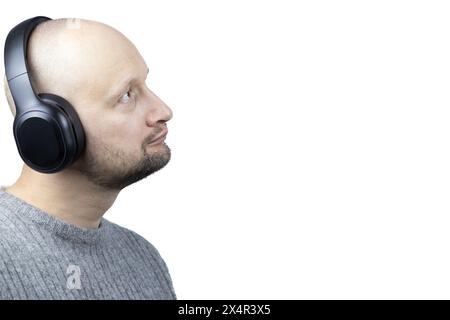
point(66, 195)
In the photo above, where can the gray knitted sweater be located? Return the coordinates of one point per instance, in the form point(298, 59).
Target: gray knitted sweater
point(42, 257)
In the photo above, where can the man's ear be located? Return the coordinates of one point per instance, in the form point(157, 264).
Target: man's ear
point(12, 105)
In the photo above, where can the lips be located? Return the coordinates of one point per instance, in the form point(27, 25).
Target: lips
point(160, 138)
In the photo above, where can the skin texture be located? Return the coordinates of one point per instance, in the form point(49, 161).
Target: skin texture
point(86, 62)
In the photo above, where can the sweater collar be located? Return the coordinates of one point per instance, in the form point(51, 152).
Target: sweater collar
point(26, 211)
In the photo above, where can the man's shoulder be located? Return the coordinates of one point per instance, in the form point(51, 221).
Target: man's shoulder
point(123, 234)
point(145, 249)
point(12, 239)
point(8, 225)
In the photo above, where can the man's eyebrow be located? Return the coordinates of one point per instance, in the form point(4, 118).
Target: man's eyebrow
point(122, 86)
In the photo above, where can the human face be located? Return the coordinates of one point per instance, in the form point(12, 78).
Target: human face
point(123, 120)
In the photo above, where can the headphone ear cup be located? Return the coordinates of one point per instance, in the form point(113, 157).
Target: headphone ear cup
point(40, 140)
point(49, 135)
point(76, 127)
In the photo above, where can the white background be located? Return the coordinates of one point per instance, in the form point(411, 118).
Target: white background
point(310, 144)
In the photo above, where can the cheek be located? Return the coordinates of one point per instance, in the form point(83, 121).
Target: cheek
point(115, 141)
point(113, 131)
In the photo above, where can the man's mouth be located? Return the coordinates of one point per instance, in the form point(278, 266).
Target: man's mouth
point(160, 138)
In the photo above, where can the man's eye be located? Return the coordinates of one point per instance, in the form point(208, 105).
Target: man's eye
point(125, 98)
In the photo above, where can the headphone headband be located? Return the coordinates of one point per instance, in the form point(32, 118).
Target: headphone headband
point(16, 66)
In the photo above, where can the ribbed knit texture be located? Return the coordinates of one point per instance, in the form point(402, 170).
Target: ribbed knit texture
point(42, 257)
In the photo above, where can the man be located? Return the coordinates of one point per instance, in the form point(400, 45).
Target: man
point(54, 241)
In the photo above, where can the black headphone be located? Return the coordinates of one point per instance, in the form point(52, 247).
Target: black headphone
point(47, 129)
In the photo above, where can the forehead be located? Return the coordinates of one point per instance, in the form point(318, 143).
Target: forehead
point(123, 70)
point(113, 69)
point(86, 64)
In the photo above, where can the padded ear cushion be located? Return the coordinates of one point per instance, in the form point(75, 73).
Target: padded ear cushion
point(68, 109)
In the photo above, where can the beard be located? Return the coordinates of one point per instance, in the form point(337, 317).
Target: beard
point(112, 169)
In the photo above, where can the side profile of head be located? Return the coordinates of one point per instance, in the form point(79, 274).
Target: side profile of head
point(102, 74)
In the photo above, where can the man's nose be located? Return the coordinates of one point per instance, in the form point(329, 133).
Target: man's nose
point(158, 110)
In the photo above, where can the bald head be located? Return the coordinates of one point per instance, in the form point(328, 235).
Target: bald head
point(78, 59)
